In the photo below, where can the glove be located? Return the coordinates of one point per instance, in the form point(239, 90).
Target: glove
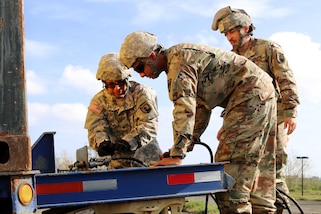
point(165, 155)
point(122, 146)
point(106, 148)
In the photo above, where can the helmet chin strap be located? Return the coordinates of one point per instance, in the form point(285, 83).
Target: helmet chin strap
point(127, 88)
point(241, 38)
point(152, 64)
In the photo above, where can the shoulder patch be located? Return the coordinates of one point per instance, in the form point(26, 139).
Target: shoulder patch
point(280, 58)
point(146, 108)
point(95, 108)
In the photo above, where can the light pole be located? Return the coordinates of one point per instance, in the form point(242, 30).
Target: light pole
point(302, 157)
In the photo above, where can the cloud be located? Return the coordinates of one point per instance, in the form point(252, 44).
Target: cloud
point(40, 113)
point(73, 112)
point(39, 49)
point(203, 37)
point(304, 57)
point(80, 78)
point(257, 9)
point(59, 11)
point(35, 85)
point(105, 1)
point(253, 7)
point(36, 111)
point(66, 119)
point(149, 12)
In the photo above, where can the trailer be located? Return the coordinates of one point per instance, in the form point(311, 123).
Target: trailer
point(29, 180)
point(91, 190)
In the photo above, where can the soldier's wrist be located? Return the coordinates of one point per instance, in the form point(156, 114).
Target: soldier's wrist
point(179, 156)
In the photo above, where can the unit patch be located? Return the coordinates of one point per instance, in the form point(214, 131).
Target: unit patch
point(146, 108)
point(280, 58)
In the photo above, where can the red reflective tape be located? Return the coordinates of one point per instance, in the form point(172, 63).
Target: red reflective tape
point(58, 188)
point(173, 179)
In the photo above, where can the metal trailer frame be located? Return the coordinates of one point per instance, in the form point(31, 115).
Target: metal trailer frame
point(116, 186)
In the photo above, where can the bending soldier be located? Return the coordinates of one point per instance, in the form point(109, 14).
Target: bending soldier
point(199, 79)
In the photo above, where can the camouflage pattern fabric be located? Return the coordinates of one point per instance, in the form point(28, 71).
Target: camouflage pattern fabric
point(201, 78)
point(227, 18)
point(133, 119)
point(269, 56)
point(109, 68)
point(251, 158)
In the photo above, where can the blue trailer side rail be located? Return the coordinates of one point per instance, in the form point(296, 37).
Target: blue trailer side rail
point(125, 185)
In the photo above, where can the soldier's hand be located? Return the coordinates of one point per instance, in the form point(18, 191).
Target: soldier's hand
point(218, 135)
point(122, 146)
point(106, 148)
point(168, 162)
point(290, 124)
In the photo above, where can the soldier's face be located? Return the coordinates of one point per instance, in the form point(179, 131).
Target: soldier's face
point(143, 69)
point(116, 88)
point(233, 36)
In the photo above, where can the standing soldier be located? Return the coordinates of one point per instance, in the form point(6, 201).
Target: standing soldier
point(238, 28)
point(199, 79)
point(122, 119)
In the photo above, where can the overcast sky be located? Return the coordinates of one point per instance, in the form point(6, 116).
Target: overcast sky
point(64, 41)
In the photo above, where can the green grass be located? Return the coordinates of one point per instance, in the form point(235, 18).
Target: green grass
point(198, 207)
point(311, 192)
point(311, 196)
point(311, 188)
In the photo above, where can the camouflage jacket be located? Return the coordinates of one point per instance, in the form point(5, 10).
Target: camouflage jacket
point(133, 118)
point(202, 77)
point(269, 56)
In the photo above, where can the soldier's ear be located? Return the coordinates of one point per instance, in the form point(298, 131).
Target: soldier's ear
point(153, 55)
point(247, 29)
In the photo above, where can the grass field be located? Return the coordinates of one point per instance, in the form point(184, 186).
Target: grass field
point(311, 192)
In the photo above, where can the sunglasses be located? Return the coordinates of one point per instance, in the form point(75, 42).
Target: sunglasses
point(112, 85)
point(140, 68)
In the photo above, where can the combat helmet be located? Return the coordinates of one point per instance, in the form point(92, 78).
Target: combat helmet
point(138, 44)
point(228, 18)
point(110, 68)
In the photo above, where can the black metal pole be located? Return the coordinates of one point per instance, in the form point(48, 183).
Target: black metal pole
point(302, 176)
point(302, 157)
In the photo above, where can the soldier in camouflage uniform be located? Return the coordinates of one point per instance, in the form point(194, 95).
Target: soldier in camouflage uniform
point(238, 28)
point(122, 118)
point(201, 78)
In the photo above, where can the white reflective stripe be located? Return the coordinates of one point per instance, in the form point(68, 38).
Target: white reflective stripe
point(207, 176)
point(89, 186)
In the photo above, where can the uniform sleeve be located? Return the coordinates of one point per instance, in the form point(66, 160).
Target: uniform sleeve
point(285, 79)
point(95, 124)
point(146, 119)
point(182, 85)
point(202, 119)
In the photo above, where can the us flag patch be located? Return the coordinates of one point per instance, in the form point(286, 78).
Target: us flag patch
point(95, 108)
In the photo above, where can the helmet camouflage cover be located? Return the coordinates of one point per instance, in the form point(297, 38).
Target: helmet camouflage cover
point(110, 68)
point(138, 44)
point(228, 18)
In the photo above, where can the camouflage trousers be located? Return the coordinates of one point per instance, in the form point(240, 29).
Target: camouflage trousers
point(247, 141)
point(281, 161)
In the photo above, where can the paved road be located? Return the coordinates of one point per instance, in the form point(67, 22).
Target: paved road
point(308, 207)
